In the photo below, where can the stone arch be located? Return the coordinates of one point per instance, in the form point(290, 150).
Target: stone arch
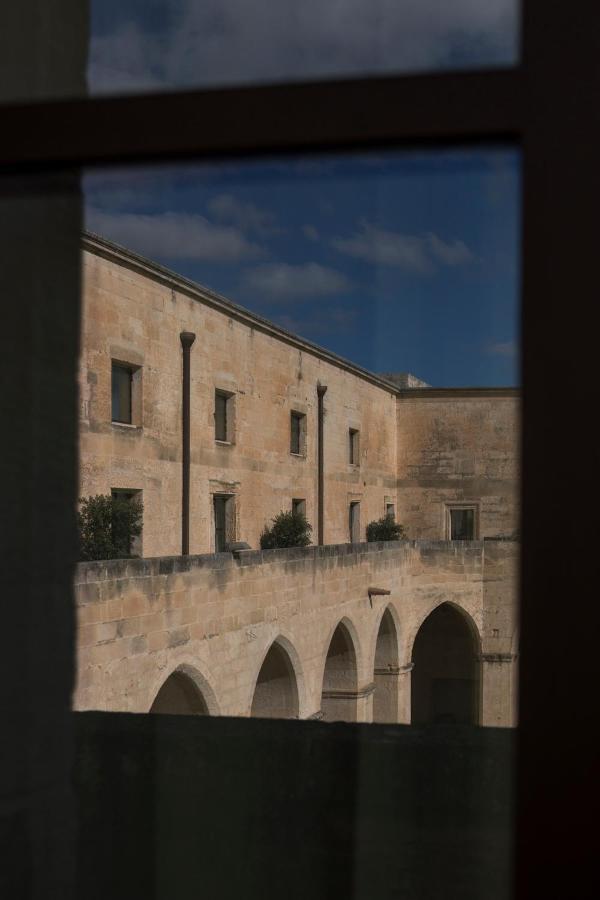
point(446, 675)
point(340, 675)
point(276, 694)
point(185, 692)
point(386, 669)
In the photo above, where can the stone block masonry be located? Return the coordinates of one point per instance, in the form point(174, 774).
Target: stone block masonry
point(215, 618)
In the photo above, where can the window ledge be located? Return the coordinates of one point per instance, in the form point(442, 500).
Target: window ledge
point(128, 426)
point(224, 443)
point(298, 455)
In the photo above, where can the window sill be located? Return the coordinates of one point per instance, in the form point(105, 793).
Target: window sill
point(298, 455)
point(128, 426)
point(224, 443)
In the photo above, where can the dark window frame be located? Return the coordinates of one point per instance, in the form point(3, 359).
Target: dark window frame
point(548, 106)
point(354, 446)
point(226, 397)
point(121, 368)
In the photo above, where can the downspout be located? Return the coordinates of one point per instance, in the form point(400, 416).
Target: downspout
point(187, 338)
point(321, 391)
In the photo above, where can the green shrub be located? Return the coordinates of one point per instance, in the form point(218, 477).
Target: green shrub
point(107, 526)
point(385, 529)
point(288, 529)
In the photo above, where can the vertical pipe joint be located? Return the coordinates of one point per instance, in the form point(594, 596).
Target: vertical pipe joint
point(187, 338)
point(321, 391)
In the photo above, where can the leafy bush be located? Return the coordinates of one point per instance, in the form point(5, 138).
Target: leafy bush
point(288, 529)
point(107, 526)
point(385, 529)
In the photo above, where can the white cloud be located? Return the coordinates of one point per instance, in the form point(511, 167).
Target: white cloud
point(405, 251)
point(451, 253)
point(173, 235)
point(233, 41)
point(282, 281)
point(246, 216)
point(385, 248)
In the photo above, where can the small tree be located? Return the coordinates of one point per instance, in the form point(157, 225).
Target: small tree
point(385, 529)
point(107, 526)
point(288, 529)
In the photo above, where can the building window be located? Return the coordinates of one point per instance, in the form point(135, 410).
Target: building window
point(224, 521)
point(299, 506)
point(354, 522)
point(390, 511)
point(297, 433)
point(353, 446)
point(462, 523)
point(122, 392)
point(224, 416)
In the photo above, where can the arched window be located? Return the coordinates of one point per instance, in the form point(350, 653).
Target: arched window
point(276, 691)
point(446, 674)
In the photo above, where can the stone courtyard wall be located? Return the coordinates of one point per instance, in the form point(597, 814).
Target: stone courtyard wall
point(216, 616)
point(458, 446)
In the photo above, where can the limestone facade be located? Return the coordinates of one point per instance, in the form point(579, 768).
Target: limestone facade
point(419, 450)
point(296, 632)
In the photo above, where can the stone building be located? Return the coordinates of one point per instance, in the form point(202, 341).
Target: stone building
point(218, 420)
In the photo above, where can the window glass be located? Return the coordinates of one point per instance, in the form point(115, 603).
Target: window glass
point(462, 524)
point(139, 45)
point(221, 424)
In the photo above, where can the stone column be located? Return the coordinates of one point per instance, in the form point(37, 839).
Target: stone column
point(497, 699)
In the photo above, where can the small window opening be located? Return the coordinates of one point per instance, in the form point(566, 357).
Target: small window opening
point(121, 384)
point(297, 433)
point(224, 521)
point(354, 522)
point(462, 524)
point(353, 446)
point(390, 511)
point(299, 506)
point(223, 416)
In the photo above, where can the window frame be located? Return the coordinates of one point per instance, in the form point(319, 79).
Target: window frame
point(547, 105)
point(229, 416)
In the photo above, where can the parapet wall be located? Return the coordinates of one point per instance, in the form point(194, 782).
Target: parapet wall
point(216, 616)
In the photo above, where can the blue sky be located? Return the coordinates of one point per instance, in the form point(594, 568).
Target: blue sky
point(399, 262)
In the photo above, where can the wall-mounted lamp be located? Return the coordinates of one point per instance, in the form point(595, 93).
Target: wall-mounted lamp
point(376, 592)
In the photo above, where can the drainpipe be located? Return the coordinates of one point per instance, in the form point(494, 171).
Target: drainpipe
point(321, 391)
point(187, 338)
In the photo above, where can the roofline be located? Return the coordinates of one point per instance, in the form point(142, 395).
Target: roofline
point(101, 246)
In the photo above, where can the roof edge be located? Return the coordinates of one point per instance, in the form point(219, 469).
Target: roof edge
point(106, 248)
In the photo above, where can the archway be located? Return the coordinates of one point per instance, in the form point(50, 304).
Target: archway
point(340, 680)
point(385, 676)
point(446, 674)
point(276, 691)
point(180, 696)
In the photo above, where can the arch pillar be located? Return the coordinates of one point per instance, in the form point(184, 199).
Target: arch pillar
point(498, 701)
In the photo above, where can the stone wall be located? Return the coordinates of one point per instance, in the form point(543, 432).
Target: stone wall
point(458, 446)
point(214, 617)
point(135, 314)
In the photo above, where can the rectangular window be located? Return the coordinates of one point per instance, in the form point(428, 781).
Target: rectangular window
point(390, 510)
point(354, 522)
point(224, 521)
point(121, 385)
point(223, 416)
point(462, 523)
point(299, 506)
point(297, 433)
point(353, 446)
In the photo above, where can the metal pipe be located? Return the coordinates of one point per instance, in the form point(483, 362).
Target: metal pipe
point(321, 391)
point(187, 338)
